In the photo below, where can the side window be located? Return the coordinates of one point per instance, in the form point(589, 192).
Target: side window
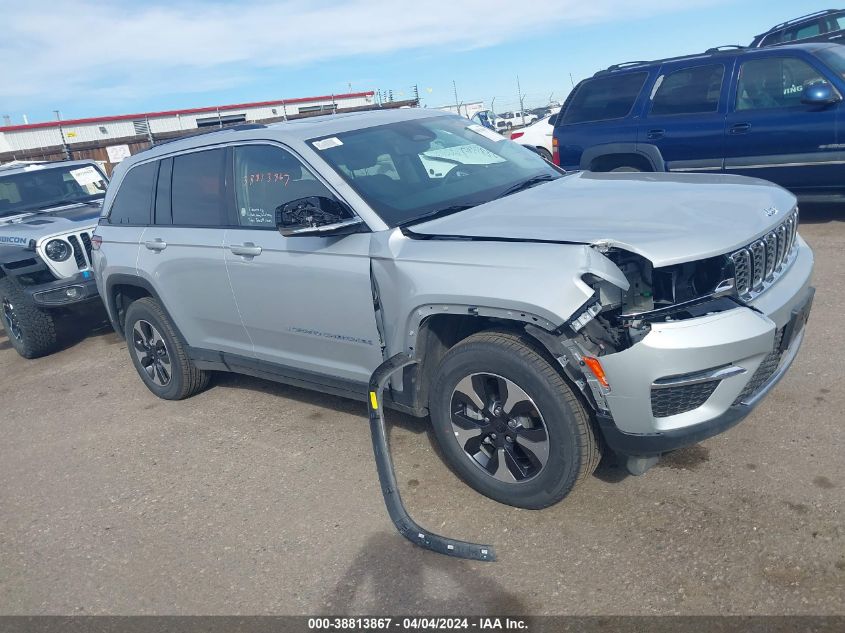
point(690, 91)
point(197, 189)
point(267, 177)
point(802, 32)
point(133, 202)
point(604, 98)
point(773, 82)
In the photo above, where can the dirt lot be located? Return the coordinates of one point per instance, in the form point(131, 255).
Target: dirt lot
point(259, 498)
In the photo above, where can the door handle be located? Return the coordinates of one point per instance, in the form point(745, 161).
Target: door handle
point(741, 128)
point(157, 244)
point(655, 134)
point(248, 249)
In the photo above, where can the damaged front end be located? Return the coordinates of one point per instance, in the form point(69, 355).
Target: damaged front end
point(659, 392)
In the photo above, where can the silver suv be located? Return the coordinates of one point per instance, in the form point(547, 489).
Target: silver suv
point(551, 314)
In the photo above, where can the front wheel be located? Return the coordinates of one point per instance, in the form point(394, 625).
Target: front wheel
point(31, 330)
point(508, 423)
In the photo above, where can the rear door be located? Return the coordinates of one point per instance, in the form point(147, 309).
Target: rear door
point(686, 115)
point(770, 134)
point(182, 253)
point(307, 302)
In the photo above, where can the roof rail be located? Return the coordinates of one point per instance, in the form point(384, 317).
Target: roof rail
point(725, 47)
point(709, 51)
point(226, 128)
point(803, 17)
point(626, 64)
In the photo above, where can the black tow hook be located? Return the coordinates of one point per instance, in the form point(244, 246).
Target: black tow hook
point(387, 477)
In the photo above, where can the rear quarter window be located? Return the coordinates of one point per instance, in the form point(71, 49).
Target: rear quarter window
point(133, 201)
point(604, 98)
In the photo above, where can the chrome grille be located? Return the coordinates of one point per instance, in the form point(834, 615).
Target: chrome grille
point(742, 270)
point(759, 263)
point(771, 253)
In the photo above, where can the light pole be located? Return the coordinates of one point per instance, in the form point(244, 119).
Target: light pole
point(65, 148)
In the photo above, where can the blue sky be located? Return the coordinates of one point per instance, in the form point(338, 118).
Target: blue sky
point(90, 59)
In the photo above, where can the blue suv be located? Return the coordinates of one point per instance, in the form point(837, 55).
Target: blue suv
point(772, 113)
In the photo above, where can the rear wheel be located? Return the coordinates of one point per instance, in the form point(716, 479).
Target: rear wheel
point(159, 356)
point(31, 330)
point(544, 153)
point(626, 168)
point(508, 423)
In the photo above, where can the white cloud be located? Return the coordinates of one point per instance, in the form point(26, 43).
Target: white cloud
point(54, 52)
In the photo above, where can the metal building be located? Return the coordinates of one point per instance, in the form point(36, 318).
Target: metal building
point(19, 141)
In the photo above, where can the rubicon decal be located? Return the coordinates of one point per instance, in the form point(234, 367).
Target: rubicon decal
point(20, 241)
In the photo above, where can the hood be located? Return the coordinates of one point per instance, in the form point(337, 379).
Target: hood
point(18, 230)
point(667, 218)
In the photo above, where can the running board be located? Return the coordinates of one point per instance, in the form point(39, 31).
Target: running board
point(387, 476)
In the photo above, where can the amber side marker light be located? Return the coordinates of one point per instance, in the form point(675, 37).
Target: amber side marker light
point(596, 368)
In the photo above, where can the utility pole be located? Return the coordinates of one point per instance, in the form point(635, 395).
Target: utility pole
point(417, 94)
point(571, 80)
point(457, 104)
point(521, 104)
point(65, 148)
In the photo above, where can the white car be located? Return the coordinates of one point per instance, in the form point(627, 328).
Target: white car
point(507, 120)
point(538, 136)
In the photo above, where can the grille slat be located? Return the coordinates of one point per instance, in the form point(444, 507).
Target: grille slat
point(758, 264)
point(77, 252)
point(86, 242)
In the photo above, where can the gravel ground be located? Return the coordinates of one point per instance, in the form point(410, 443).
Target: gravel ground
point(255, 497)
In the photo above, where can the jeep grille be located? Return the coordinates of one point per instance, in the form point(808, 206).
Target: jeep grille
point(762, 261)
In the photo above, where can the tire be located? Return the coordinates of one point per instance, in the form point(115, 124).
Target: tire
point(31, 330)
point(552, 410)
point(159, 356)
point(625, 168)
point(544, 154)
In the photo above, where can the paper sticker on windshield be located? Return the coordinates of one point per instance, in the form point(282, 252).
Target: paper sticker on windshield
point(326, 143)
point(483, 131)
point(86, 176)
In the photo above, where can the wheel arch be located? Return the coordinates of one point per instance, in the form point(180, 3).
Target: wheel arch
point(599, 157)
point(437, 328)
point(121, 291)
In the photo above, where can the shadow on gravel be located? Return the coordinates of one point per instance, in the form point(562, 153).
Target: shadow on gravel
point(316, 399)
point(389, 572)
point(820, 213)
point(74, 329)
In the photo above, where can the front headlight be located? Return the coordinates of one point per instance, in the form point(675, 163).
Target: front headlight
point(57, 250)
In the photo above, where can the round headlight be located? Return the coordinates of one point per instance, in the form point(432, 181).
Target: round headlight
point(57, 250)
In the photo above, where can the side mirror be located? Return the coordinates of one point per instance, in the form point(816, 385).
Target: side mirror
point(819, 93)
point(317, 215)
point(553, 119)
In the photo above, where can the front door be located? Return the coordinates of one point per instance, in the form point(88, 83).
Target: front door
point(306, 302)
point(770, 134)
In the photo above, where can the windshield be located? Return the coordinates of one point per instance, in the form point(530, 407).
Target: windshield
point(42, 187)
point(415, 169)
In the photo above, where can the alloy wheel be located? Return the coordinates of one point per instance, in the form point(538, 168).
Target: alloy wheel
point(499, 427)
point(151, 351)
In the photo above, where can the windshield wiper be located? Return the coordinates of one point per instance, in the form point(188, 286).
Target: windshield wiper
point(526, 184)
point(438, 213)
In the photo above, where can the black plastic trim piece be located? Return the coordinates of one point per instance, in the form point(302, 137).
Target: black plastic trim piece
point(655, 444)
point(387, 477)
point(86, 284)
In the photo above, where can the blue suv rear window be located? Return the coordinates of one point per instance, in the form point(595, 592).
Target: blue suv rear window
point(604, 98)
